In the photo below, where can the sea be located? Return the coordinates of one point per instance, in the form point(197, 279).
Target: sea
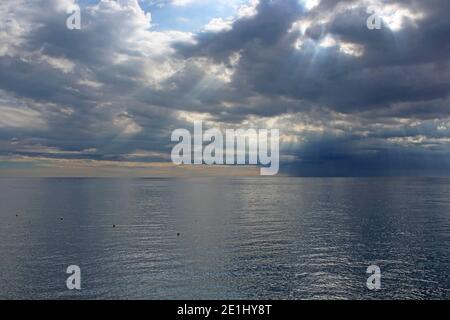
point(225, 238)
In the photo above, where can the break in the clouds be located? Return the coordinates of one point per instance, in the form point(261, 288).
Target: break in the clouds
point(348, 100)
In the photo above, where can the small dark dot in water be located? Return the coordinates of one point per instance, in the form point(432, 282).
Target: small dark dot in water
point(17, 215)
point(178, 234)
point(61, 219)
point(114, 225)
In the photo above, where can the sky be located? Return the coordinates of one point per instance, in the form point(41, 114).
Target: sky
point(103, 100)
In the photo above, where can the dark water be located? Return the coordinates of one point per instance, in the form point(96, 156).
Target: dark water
point(282, 238)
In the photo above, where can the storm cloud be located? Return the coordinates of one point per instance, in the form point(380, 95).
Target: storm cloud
point(348, 100)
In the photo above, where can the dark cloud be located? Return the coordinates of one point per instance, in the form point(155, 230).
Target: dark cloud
point(271, 23)
point(349, 100)
point(405, 66)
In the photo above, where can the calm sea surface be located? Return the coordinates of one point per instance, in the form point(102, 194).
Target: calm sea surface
point(243, 238)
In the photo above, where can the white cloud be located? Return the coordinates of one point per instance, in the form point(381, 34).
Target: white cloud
point(20, 118)
point(310, 4)
point(248, 10)
point(182, 3)
point(126, 124)
point(218, 25)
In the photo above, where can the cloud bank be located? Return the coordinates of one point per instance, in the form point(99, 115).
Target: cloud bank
point(348, 100)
